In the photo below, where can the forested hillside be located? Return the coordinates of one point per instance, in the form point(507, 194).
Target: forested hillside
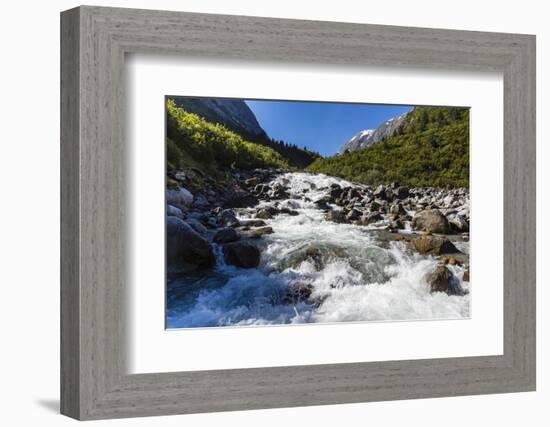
point(236, 116)
point(431, 148)
point(192, 141)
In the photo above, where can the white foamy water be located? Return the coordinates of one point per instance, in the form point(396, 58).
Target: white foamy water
point(352, 275)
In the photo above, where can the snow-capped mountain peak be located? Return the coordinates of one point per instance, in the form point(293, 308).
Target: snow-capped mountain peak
point(370, 136)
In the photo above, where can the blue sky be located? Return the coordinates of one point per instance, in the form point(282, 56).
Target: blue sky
point(322, 127)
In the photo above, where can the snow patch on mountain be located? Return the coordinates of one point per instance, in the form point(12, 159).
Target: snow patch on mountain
point(371, 136)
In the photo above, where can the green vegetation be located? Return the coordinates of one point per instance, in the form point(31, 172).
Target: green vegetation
point(430, 149)
point(294, 155)
point(192, 141)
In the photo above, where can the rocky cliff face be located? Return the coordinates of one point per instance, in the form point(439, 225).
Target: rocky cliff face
point(371, 136)
point(361, 140)
point(232, 113)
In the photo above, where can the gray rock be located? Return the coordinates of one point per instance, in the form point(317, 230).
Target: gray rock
point(335, 191)
point(241, 254)
point(196, 225)
point(448, 201)
point(180, 198)
point(397, 209)
point(401, 192)
point(458, 223)
point(297, 292)
point(288, 211)
point(380, 192)
point(432, 221)
point(335, 216)
point(433, 245)
point(226, 235)
point(267, 212)
point(173, 211)
point(443, 280)
point(369, 218)
point(353, 215)
point(228, 218)
point(201, 202)
point(239, 199)
point(253, 223)
point(185, 248)
point(258, 232)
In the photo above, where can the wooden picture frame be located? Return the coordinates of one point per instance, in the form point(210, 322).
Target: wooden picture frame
point(94, 382)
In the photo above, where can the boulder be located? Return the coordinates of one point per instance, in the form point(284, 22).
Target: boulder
point(279, 191)
point(173, 211)
point(353, 215)
point(240, 254)
point(228, 218)
point(196, 225)
point(258, 232)
point(396, 224)
point(253, 223)
point(226, 235)
point(335, 192)
point(315, 253)
point(451, 260)
point(288, 211)
point(401, 193)
point(211, 222)
point(353, 193)
point(239, 199)
point(369, 218)
point(374, 206)
point(389, 194)
point(335, 216)
point(449, 200)
point(297, 292)
point(458, 223)
point(185, 248)
point(380, 192)
point(179, 197)
point(432, 221)
point(397, 209)
point(201, 202)
point(443, 280)
point(433, 245)
point(323, 202)
point(267, 212)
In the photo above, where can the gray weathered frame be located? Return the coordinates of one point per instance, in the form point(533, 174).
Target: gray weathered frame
point(94, 41)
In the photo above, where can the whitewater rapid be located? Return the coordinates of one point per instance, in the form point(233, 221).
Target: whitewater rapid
point(354, 275)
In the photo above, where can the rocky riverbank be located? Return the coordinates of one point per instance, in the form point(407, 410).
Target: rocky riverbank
point(272, 221)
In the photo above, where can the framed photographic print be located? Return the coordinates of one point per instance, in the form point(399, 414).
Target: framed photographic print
point(271, 232)
point(262, 213)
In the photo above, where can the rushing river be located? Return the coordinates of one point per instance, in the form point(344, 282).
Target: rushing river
point(351, 272)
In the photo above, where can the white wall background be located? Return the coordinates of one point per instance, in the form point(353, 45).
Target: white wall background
point(29, 215)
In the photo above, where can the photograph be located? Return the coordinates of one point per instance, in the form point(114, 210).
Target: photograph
point(293, 212)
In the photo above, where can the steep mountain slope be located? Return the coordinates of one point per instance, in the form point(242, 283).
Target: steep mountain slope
point(236, 116)
point(193, 141)
point(358, 141)
point(431, 148)
point(371, 136)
